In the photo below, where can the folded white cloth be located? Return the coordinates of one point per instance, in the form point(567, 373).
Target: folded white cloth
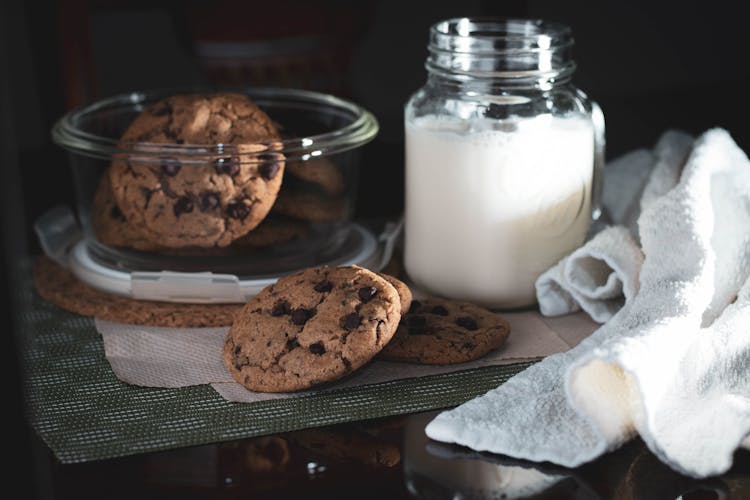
point(599, 277)
point(671, 365)
point(602, 275)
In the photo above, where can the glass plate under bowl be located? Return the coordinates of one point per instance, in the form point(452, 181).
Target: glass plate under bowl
point(321, 142)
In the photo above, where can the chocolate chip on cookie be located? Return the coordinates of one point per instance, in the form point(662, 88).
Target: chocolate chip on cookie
point(170, 166)
point(270, 165)
point(441, 332)
point(176, 203)
point(311, 327)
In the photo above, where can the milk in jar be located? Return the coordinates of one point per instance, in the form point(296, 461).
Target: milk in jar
point(489, 208)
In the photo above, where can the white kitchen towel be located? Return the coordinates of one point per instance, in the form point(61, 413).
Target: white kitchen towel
point(624, 180)
point(599, 277)
point(670, 153)
point(671, 365)
point(602, 275)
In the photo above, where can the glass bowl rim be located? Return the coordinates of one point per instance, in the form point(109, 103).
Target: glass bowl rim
point(360, 131)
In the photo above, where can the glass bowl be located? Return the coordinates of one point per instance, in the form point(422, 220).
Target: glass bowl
point(309, 223)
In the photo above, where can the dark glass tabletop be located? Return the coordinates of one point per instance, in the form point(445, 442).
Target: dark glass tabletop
point(384, 458)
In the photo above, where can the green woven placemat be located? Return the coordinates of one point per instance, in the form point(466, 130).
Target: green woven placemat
point(83, 412)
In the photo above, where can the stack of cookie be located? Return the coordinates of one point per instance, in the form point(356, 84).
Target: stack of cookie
point(324, 323)
point(226, 200)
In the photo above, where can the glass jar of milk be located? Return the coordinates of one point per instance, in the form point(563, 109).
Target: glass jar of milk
point(502, 156)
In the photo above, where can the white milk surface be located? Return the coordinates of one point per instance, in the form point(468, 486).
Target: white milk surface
point(491, 205)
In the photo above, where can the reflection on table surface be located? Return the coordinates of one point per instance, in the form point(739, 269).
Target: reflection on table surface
point(384, 458)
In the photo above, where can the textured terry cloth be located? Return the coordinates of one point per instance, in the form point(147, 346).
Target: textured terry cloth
point(670, 153)
point(599, 277)
point(624, 180)
point(602, 275)
point(671, 365)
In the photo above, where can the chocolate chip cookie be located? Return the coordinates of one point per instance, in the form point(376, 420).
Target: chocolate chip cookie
point(321, 172)
point(274, 230)
point(311, 327)
point(177, 203)
point(309, 206)
point(443, 332)
point(403, 290)
point(110, 225)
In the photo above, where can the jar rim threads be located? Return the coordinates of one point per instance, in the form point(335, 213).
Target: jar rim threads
point(520, 52)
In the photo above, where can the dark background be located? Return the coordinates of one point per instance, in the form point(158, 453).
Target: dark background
point(651, 66)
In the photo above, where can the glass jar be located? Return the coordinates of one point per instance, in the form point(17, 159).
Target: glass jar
point(503, 155)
